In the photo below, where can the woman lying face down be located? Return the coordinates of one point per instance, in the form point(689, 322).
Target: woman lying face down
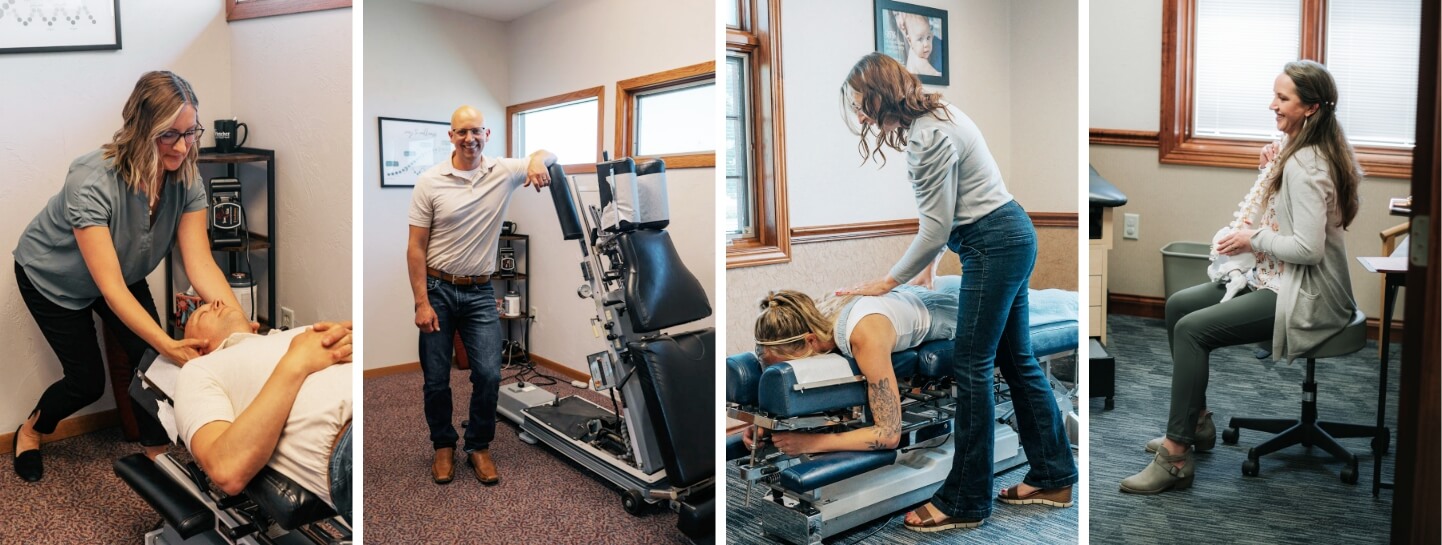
point(791, 325)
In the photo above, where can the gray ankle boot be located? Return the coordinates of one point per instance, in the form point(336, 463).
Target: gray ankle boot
point(1161, 475)
point(1205, 437)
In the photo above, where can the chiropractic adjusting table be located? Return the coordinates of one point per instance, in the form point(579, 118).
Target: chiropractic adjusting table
point(812, 497)
point(273, 509)
point(656, 445)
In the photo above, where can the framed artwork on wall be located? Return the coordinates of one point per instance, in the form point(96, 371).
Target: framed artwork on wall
point(409, 147)
point(48, 26)
point(916, 36)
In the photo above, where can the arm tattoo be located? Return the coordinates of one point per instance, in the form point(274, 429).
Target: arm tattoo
point(885, 413)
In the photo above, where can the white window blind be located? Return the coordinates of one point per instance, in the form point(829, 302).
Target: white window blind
point(1241, 47)
point(676, 120)
point(567, 130)
point(738, 155)
point(1372, 48)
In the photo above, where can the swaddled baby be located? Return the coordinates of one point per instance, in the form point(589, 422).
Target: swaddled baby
point(1233, 270)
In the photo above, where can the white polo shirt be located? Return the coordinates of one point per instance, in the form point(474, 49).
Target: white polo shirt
point(220, 385)
point(465, 214)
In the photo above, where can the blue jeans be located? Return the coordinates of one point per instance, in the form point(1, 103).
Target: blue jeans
point(997, 255)
point(341, 474)
point(470, 310)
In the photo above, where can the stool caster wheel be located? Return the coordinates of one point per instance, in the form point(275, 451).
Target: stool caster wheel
point(1109, 404)
point(1251, 466)
point(1229, 436)
point(632, 502)
point(1382, 442)
point(1349, 473)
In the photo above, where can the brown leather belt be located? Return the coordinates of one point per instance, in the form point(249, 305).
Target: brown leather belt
point(458, 280)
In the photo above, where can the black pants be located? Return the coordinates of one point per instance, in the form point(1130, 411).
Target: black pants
point(71, 334)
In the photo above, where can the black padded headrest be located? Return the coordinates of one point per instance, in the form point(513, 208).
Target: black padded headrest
point(565, 205)
point(180, 509)
point(660, 291)
point(290, 505)
point(678, 376)
point(1102, 193)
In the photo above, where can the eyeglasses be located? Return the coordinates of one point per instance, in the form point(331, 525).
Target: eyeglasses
point(478, 131)
point(170, 137)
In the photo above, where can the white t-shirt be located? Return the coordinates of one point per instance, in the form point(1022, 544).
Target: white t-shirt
point(220, 385)
point(464, 213)
point(905, 310)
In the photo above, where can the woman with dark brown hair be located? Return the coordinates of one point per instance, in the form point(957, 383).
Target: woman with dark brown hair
point(963, 204)
point(89, 250)
point(1298, 295)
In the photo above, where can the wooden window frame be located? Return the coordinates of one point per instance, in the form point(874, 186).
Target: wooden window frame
point(626, 93)
point(1176, 142)
point(597, 93)
point(759, 38)
point(252, 9)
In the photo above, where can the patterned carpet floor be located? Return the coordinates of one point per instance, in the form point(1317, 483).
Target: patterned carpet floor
point(80, 500)
point(542, 498)
point(1297, 498)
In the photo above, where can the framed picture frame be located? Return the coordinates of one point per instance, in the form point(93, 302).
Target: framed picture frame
point(917, 37)
point(409, 147)
point(49, 26)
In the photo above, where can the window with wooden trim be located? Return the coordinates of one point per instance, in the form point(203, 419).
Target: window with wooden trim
point(1220, 57)
point(758, 231)
point(669, 115)
point(568, 125)
point(236, 10)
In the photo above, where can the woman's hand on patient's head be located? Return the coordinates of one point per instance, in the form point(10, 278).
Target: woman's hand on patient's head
point(878, 286)
point(181, 350)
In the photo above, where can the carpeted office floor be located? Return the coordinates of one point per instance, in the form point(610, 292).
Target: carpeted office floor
point(80, 500)
point(1297, 498)
point(542, 498)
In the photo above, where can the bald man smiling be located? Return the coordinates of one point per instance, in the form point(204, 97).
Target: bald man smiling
point(456, 212)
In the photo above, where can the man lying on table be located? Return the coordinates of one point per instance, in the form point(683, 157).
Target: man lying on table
point(282, 400)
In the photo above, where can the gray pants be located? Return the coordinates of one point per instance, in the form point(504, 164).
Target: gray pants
point(1196, 324)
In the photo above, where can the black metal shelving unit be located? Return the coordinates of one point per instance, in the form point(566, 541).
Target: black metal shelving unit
point(257, 241)
point(520, 281)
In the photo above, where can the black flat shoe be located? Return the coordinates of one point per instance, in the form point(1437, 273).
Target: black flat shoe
point(28, 465)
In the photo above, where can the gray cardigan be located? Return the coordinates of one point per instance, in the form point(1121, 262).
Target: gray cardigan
point(1315, 301)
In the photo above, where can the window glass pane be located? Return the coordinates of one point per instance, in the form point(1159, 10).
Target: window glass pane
point(1241, 47)
point(733, 13)
point(676, 120)
point(738, 155)
point(567, 130)
point(1372, 48)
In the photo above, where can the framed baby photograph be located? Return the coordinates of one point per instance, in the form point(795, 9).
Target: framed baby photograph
point(916, 36)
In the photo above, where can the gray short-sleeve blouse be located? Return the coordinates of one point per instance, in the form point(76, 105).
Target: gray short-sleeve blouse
point(94, 194)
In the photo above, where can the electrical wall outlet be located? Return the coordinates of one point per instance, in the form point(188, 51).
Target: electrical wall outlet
point(287, 318)
point(535, 316)
point(1131, 226)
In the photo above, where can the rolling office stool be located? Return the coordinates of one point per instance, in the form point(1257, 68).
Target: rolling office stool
point(1308, 431)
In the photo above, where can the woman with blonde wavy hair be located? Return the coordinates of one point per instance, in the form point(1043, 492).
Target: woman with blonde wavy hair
point(122, 208)
point(792, 325)
point(963, 204)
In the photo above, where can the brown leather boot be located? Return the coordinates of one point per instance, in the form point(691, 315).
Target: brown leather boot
point(484, 466)
point(443, 467)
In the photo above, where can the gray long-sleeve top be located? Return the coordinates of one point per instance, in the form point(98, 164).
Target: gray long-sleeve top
point(956, 181)
point(1315, 301)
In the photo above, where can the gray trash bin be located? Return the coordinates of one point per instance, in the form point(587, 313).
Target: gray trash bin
point(1184, 264)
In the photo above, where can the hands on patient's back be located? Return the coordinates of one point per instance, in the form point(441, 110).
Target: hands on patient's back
point(181, 350)
point(878, 286)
